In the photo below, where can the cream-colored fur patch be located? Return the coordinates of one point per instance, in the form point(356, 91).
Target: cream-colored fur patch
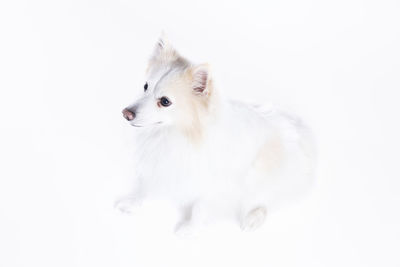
point(195, 110)
point(271, 156)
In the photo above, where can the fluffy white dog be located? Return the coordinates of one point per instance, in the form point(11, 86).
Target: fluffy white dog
point(211, 156)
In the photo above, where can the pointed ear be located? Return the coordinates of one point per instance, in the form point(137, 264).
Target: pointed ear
point(163, 49)
point(201, 79)
point(162, 41)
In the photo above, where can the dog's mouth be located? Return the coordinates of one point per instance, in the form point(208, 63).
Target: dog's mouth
point(149, 125)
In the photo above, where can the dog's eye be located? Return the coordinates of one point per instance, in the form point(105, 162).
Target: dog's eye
point(145, 87)
point(165, 101)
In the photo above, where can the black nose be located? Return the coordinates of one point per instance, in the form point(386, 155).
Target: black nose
point(128, 114)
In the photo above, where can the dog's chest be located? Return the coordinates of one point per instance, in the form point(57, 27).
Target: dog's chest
point(170, 166)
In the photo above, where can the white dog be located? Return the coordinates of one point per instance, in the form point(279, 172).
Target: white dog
point(211, 156)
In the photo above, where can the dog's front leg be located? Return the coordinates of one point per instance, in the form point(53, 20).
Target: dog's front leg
point(193, 219)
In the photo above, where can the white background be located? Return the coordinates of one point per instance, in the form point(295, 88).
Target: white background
point(67, 68)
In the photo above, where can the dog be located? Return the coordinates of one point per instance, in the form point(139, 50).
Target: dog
point(211, 156)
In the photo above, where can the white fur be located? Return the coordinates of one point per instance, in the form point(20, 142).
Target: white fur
point(247, 159)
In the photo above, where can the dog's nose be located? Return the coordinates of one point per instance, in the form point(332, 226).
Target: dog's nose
point(128, 115)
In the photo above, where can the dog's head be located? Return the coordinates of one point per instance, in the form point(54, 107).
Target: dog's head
point(175, 93)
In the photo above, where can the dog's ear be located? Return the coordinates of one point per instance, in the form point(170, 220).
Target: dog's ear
point(201, 79)
point(163, 49)
point(162, 41)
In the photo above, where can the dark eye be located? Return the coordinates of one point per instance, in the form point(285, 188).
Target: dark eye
point(165, 101)
point(145, 87)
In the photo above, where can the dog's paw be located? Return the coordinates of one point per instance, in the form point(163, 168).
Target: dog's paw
point(186, 229)
point(253, 219)
point(127, 205)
